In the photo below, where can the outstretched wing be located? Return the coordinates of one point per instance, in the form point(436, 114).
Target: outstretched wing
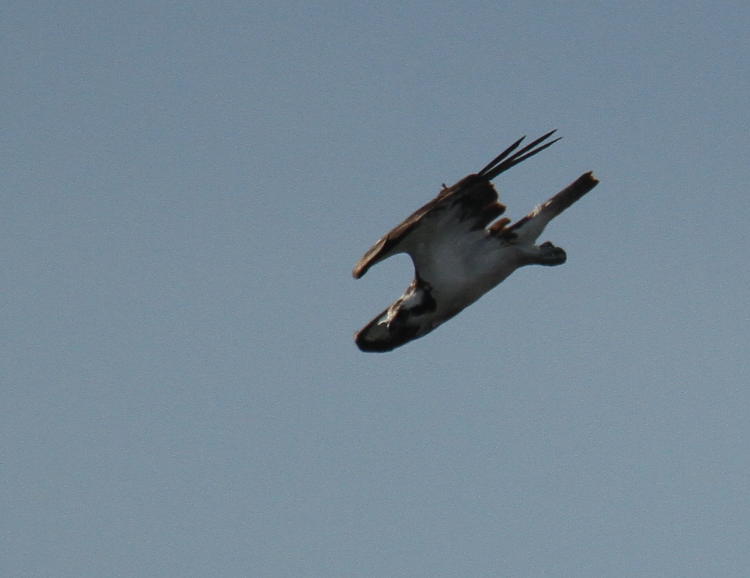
point(469, 205)
point(528, 228)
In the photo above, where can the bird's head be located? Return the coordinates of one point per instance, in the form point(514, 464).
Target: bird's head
point(409, 317)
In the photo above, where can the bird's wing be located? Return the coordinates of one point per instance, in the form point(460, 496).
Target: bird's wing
point(470, 204)
point(437, 227)
point(528, 228)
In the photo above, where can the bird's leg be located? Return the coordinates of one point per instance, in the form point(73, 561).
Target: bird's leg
point(548, 254)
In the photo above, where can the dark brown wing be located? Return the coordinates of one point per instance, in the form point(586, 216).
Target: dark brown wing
point(472, 203)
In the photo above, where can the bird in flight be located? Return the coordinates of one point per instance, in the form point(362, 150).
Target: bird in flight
point(460, 251)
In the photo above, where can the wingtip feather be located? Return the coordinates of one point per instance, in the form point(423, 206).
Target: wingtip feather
point(505, 160)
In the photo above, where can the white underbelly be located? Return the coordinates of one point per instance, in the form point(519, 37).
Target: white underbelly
point(464, 275)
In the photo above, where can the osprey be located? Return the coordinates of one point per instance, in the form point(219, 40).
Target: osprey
point(460, 251)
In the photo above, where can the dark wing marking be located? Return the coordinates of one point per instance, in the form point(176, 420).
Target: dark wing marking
point(472, 199)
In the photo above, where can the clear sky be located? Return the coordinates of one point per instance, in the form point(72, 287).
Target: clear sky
point(185, 189)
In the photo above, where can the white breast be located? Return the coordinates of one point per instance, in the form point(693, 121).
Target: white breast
point(462, 269)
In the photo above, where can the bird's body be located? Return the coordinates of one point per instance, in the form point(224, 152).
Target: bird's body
point(460, 252)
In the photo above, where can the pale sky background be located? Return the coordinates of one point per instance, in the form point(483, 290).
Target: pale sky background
point(185, 189)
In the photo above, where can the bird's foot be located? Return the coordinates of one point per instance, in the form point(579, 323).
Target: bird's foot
point(551, 255)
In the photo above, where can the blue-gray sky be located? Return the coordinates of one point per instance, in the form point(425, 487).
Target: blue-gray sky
point(185, 189)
